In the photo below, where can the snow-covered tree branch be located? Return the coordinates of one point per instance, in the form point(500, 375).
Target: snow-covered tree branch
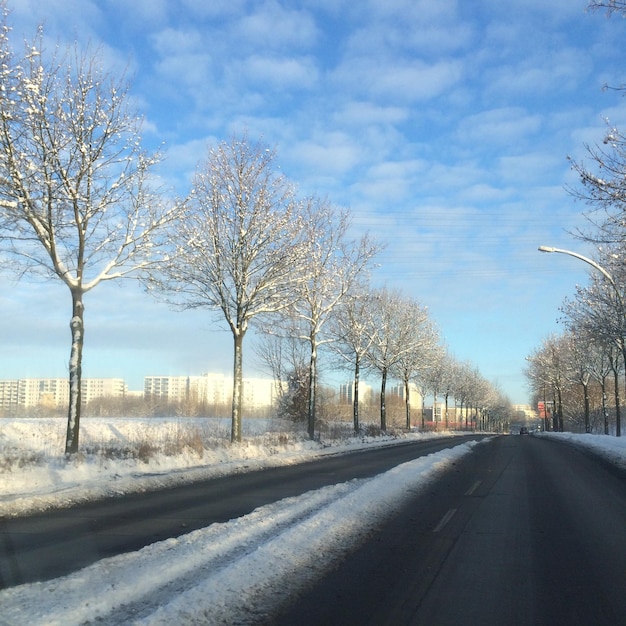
point(240, 248)
point(76, 199)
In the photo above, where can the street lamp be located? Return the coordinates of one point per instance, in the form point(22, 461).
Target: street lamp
point(586, 260)
point(618, 427)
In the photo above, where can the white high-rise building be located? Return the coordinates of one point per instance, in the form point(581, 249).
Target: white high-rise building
point(50, 392)
point(212, 389)
point(92, 388)
point(346, 392)
point(54, 392)
point(9, 394)
point(259, 393)
point(399, 391)
point(209, 388)
point(168, 388)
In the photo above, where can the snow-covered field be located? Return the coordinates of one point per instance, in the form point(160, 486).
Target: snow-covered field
point(238, 572)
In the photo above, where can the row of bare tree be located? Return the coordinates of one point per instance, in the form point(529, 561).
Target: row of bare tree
point(580, 372)
point(80, 202)
point(578, 381)
point(380, 332)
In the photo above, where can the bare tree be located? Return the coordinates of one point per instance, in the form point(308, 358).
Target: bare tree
point(75, 196)
point(602, 363)
point(465, 378)
point(611, 6)
point(435, 374)
point(352, 333)
point(285, 356)
point(421, 338)
point(548, 369)
point(597, 312)
point(603, 188)
point(239, 249)
point(391, 341)
point(334, 265)
point(445, 384)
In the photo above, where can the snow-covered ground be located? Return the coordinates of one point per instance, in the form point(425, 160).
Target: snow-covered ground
point(238, 572)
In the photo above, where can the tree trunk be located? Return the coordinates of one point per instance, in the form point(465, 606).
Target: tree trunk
point(586, 399)
point(236, 426)
point(605, 410)
point(383, 410)
point(617, 400)
point(312, 387)
point(407, 404)
point(618, 420)
point(355, 399)
point(77, 328)
point(447, 422)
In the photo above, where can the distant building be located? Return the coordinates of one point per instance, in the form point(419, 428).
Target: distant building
point(167, 388)
point(207, 388)
point(398, 390)
point(259, 393)
point(346, 393)
point(9, 394)
point(212, 389)
point(48, 392)
point(55, 392)
point(527, 410)
point(92, 388)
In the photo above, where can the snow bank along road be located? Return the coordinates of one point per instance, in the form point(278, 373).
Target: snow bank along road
point(319, 508)
point(514, 530)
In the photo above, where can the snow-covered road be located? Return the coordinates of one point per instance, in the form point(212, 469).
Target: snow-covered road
point(238, 572)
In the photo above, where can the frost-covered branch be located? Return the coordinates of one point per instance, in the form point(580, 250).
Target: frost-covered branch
point(77, 201)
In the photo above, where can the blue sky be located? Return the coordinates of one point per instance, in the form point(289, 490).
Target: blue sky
point(443, 126)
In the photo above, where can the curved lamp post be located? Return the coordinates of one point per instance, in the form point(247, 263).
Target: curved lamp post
point(586, 260)
point(613, 284)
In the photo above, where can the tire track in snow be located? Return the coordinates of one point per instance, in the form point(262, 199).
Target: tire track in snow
point(238, 572)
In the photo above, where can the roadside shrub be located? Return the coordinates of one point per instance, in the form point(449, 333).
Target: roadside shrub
point(17, 459)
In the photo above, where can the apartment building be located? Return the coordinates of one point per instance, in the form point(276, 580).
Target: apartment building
point(53, 392)
point(398, 391)
point(206, 388)
point(346, 393)
point(259, 393)
point(212, 389)
point(9, 395)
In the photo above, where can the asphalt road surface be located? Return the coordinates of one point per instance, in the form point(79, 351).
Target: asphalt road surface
point(55, 543)
point(524, 531)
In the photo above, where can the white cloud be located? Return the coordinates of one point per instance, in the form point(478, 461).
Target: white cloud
point(531, 168)
point(368, 113)
point(191, 70)
point(532, 77)
point(501, 127)
point(285, 73)
point(140, 14)
point(176, 41)
point(558, 10)
point(391, 181)
point(274, 26)
point(215, 8)
point(74, 19)
point(397, 81)
point(332, 152)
